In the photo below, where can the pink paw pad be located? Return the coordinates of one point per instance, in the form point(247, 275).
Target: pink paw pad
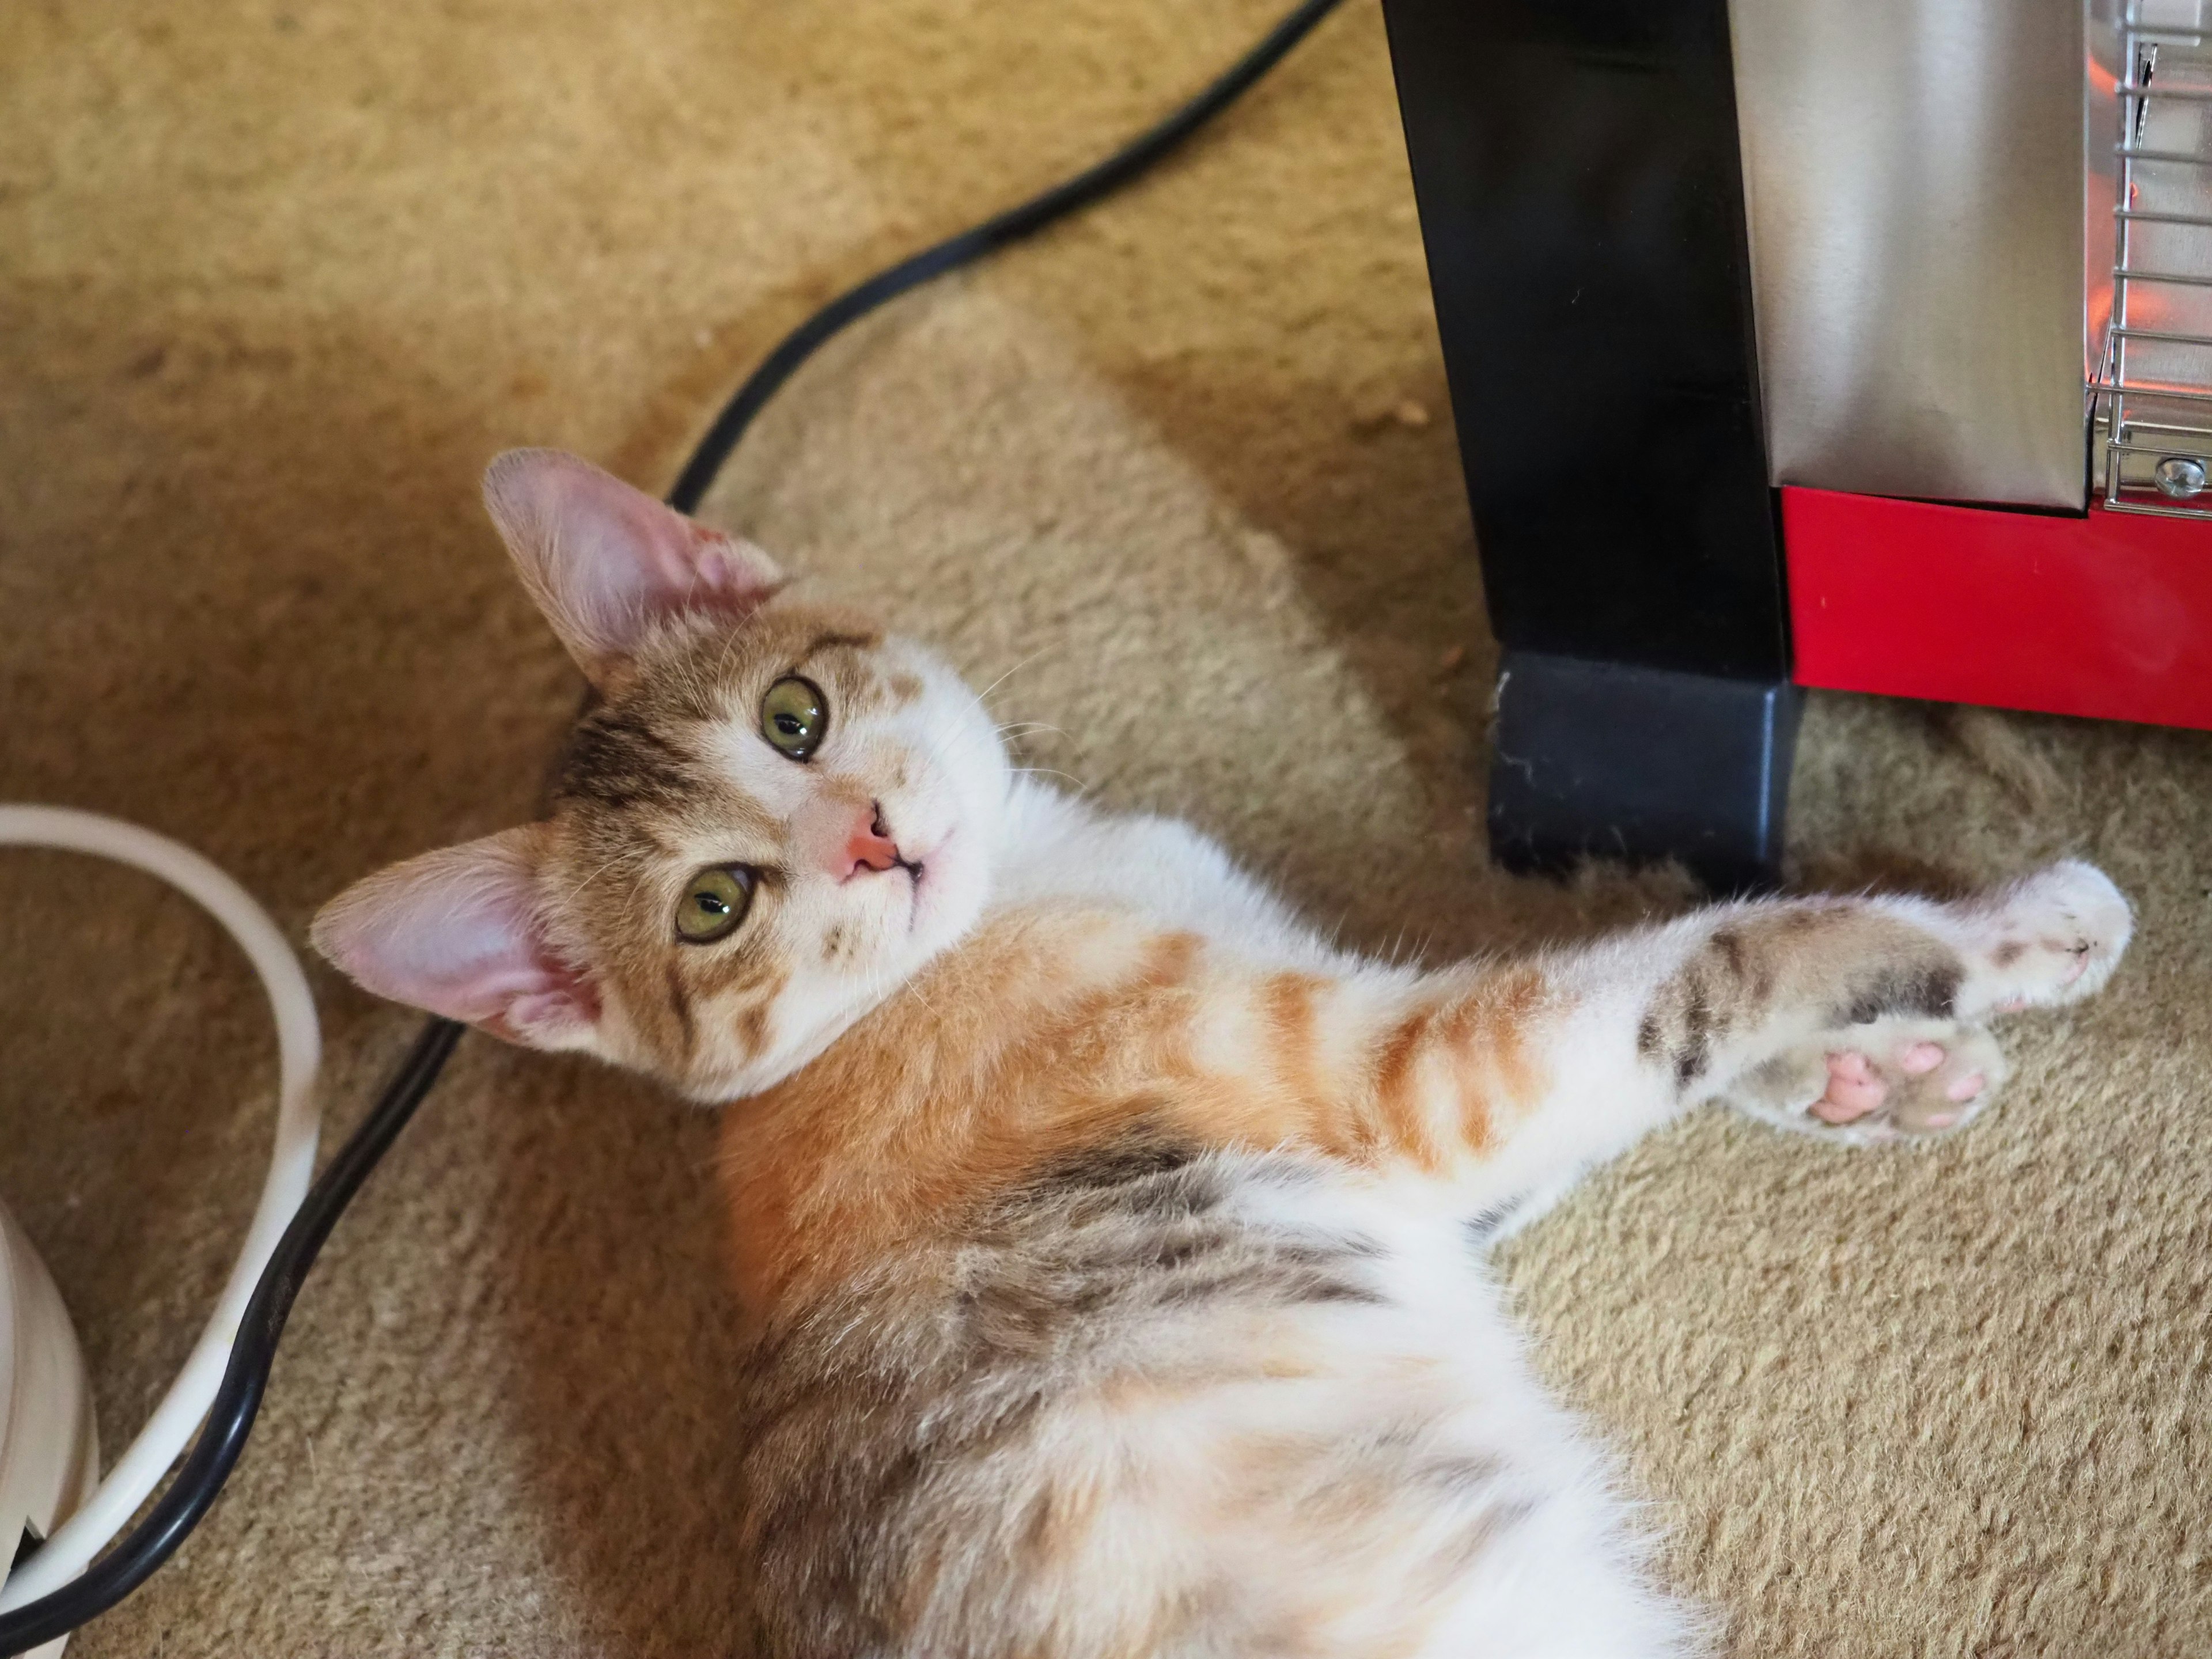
point(1857, 1089)
point(1920, 1059)
point(1853, 1089)
point(1912, 1080)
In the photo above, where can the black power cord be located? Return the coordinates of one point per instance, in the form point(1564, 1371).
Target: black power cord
point(1133, 159)
point(222, 1437)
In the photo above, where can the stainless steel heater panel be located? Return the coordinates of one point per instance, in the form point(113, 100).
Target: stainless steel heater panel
point(1914, 188)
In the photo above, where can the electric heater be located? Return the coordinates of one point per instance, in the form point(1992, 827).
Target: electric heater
point(1855, 343)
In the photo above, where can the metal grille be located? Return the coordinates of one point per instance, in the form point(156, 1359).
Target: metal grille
point(2151, 394)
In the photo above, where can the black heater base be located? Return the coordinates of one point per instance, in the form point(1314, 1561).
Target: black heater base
point(1603, 760)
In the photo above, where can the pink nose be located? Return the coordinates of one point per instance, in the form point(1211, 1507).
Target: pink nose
point(866, 847)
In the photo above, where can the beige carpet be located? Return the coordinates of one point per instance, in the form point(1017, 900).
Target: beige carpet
point(277, 278)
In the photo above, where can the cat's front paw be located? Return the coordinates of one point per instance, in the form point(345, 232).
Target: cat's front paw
point(1894, 1079)
point(2053, 937)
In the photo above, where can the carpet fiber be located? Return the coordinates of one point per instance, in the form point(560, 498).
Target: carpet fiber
point(278, 277)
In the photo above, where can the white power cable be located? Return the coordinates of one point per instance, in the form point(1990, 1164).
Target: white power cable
point(299, 1047)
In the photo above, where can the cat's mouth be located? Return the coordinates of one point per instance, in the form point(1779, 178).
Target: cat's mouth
point(917, 870)
point(876, 851)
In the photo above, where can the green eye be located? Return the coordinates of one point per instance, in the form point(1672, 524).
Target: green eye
point(713, 904)
point(793, 717)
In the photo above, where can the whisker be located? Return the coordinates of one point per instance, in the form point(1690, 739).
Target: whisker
point(578, 889)
point(730, 640)
point(1081, 787)
point(984, 694)
point(928, 739)
point(914, 989)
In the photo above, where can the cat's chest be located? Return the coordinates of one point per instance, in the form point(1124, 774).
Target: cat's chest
point(1062, 850)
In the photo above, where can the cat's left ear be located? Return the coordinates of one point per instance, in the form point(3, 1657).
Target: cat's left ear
point(608, 564)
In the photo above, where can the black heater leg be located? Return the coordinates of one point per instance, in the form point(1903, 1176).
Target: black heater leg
point(1606, 759)
point(1582, 201)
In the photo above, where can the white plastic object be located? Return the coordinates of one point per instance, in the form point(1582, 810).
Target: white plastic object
point(49, 1452)
point(72, 1546)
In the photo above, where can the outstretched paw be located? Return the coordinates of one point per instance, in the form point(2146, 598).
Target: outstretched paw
point(2053, 937)
point(1891, 1080)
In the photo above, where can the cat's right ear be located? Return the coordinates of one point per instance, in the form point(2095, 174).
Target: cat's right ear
point(459, 932)
point(608, 564)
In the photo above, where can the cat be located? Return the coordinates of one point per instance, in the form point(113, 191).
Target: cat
point(1108, 1241)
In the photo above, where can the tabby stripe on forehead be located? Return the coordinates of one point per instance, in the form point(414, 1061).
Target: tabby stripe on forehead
point(617, 759)
point(856, 641)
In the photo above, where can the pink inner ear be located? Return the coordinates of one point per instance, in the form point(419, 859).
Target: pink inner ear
point(607, 562)
point(455, 933)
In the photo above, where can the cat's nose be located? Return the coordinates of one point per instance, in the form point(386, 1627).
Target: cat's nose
point(866, 847)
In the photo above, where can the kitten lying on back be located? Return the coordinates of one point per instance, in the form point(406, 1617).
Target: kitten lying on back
point(1104, 1234)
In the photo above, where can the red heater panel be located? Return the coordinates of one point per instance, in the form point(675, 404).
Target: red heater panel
point(2108, 615)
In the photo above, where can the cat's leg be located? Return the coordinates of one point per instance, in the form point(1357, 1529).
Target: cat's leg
point(1861, 1018)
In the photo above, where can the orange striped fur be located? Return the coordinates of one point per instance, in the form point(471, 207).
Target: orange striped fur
point(1050, 1031)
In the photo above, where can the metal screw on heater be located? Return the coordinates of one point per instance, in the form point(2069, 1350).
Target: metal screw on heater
point(2179, 476)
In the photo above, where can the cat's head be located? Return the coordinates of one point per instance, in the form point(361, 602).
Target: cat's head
point(776, 814)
